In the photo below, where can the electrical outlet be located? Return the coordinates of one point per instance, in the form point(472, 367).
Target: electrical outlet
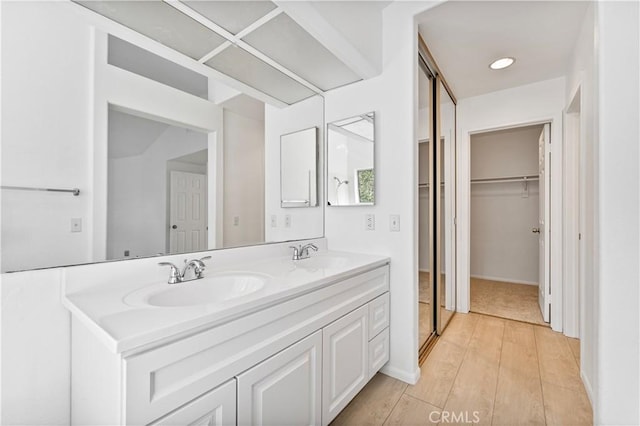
point(369, 222)
point(394, 223)
point(274, 221)
point(287, 221)
point(236, 220)
point(76, 224)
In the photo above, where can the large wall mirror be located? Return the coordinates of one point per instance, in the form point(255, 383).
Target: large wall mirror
point(167, 155)
point(350, 161)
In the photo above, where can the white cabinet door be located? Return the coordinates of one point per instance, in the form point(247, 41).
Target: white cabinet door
point(215, 408)
point(345, 361)
point(284, 389)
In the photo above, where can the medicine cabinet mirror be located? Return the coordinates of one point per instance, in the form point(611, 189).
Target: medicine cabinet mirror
point(350, 161)
point(299, 169)
point(164, 154)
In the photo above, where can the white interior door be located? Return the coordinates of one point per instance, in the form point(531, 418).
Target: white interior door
point(188, 214)
point(544, 285)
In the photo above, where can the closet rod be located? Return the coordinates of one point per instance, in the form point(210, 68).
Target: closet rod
point(506, 179)
point(74, 191)
point(426, 185)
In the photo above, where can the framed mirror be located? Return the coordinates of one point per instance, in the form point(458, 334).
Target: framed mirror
point(124, 125)
point(351, 161)
point(299, 168)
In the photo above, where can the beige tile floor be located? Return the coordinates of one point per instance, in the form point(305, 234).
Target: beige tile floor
point(497, 371)
point(506, 300)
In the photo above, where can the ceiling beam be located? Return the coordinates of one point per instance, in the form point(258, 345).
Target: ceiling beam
point(314, 23)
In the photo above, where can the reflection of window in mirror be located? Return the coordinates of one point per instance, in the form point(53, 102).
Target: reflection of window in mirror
point(364, 179)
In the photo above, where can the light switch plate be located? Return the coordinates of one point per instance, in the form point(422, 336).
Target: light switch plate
point(236, 220)
point(394, 223)
point(274, 221)
point(287, 221)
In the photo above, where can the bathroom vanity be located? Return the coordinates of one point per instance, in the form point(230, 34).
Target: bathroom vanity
point(278, 342)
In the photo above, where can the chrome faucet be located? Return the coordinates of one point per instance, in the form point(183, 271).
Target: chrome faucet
point(193, 270)
point(302, 251)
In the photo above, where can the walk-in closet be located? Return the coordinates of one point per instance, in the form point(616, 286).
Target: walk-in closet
point(436, 202)
point(507, 218)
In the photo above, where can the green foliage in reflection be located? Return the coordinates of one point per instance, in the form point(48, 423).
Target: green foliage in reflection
point(365, 185)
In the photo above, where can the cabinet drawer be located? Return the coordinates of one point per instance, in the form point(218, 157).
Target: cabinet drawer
point(378, 352)
point(215, 408)
point(378, 315)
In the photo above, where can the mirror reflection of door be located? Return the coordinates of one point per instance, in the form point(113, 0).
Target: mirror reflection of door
point(188, 201)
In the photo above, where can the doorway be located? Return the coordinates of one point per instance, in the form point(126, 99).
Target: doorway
point(510, 205)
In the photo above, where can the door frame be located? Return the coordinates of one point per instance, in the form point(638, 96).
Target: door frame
point(574, 216)
point(464, 217)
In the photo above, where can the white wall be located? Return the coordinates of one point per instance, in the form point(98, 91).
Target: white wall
point(393, 97)
point(617, 296)
point(503, 247)
point(138, 191)
point(582, 76)
point(306, 222)
point(45, 135)
point(244, 182)
point(35, 352)
point(530, 104)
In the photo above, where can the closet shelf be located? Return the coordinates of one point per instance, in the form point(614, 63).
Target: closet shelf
point(507, 179)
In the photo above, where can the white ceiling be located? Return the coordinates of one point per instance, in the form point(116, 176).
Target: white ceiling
point(360, 22)
point(466, 36)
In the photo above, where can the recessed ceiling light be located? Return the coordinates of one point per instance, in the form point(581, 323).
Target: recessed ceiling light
point(501, 63)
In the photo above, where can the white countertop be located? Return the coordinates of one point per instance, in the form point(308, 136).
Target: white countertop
point(108, 310)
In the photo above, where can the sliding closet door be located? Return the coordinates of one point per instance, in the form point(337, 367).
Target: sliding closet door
point(426, 240)
point(445, 196)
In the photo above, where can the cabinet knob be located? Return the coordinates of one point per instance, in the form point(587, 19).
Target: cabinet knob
point(174, 227)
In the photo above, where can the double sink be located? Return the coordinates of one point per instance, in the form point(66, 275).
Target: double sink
point(127, 314)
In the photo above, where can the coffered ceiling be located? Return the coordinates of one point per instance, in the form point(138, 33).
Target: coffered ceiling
point(258, 43)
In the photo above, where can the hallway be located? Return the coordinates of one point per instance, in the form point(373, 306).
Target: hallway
point(499, 372)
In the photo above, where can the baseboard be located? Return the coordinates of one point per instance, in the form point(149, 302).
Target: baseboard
point(402, 375)
point(588, 389)
point(504, 280)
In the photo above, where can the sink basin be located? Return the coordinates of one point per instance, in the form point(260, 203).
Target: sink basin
point(322, 262)
point(212, 289)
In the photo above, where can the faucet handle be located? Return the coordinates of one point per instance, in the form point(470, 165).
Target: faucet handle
point(296, 252)
point(202, 259)
point(174, 274)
